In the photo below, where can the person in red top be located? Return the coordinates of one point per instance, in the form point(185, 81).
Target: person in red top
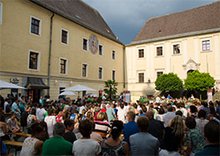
point(59, 117)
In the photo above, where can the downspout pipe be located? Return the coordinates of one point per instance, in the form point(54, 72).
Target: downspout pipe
point(49, 56)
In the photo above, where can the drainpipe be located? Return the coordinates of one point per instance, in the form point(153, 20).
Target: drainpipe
point(124, 67)
point(49, 57)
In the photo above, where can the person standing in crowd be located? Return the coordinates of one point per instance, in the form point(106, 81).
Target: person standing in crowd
point(15, 108)
point(121, 112)
point(110, 112)
point(168, 116)
point(51, 121)
point(113, 145)
point(194, 140)
point(40, 112)
point(173, 137)
point(86, 146)
point(156, 127)
point(57, 145)
point(33, 145)
point(131, 127)
point(143, 143)
point(211, 131)
point(201, 121)
point(69, 135)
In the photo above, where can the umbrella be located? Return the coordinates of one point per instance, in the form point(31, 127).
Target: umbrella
point(67, 93)
point(7, 85)
point(79, 88)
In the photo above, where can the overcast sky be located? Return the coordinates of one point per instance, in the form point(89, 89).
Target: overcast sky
point(127, 17)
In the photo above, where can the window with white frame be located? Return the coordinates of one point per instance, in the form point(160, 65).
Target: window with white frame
point(1, 12)
point(159, 73)
point(113, 55)
point(35, 26)
point(100, 72)
point(63, 66)
point(33, 60)
point(205, 45)
point(84, 70)
point(64, 36)
point(141, 77)
point(100, 50)
point(159, 51)
point(140, 53)
point(176, 49)
point(85, 44)
point(113, 75)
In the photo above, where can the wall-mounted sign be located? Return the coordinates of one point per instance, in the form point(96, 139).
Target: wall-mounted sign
point(93, 44)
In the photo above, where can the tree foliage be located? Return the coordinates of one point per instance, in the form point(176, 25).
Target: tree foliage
point(199, 81)
point(110, 89)
point(169, 83)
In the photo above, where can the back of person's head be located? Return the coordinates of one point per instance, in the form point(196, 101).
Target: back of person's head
point(131, 115)
point(204, 103)
point(169, 108)
point(101, 116)
point(59, 129)
point(202, 114)
point(161, 110)
point(50, 111)
point(85, 128)
point(36, 128)
point(211, 131)
point(177, 125)
point(190, 122)
point(68, 123)
point(116, 130)
point(193, 109)
point(150, 114)
point(179, 112)
point(33, 111)
point(143, 123)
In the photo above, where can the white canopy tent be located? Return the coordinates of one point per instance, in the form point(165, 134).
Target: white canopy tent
point(68, 93)
point(79, 88)
point(7, 85)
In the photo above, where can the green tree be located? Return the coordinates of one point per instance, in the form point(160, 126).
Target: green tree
point(169, 83)
point(110, 89)
point(199, 81)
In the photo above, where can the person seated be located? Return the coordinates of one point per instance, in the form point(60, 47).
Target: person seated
point(211, 132)
point(86, 146)
point(13, 124)
point(33, 145)
point(69, 135)
point(114, 145)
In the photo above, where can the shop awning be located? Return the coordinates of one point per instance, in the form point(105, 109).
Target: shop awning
point(36, 83)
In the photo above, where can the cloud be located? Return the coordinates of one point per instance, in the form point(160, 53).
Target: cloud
point(127, 17)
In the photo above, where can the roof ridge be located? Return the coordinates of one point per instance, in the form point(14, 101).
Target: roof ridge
point(183, 11)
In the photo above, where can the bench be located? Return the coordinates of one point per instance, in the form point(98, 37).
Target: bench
point(13, 144)
point(22, 134)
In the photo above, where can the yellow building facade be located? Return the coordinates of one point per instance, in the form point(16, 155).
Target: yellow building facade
point(176, 43)
point(46, 51)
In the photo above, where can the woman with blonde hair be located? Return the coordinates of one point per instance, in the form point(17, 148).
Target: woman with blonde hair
point(173, 137)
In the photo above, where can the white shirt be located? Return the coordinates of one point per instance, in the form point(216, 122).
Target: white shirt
point(86, 147)
point(167, 117)
point(50, 120)
point(28, 147)
point(40, 113)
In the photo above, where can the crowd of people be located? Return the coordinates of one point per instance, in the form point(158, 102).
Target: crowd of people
point(162, 126)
